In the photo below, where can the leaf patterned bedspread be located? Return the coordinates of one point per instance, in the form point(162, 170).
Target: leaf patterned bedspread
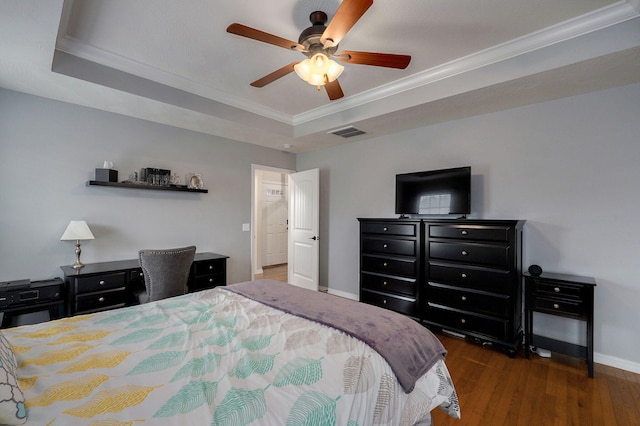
point(212, 358)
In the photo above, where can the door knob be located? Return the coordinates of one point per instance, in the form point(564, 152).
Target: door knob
point(314, 238)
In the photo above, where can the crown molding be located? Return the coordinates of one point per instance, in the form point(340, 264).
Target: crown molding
point(90, 53)
point(582, 25)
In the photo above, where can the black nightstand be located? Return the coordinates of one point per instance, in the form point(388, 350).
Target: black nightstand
point(568, 296)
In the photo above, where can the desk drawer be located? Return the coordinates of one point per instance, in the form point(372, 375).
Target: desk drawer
point(100, 301)
point(100, 282)
point(204, 282)
point(209, 267)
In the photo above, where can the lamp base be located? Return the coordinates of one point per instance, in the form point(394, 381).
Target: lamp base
point(78, 264)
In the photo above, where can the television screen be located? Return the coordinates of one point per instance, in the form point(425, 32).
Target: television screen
point(435, 192)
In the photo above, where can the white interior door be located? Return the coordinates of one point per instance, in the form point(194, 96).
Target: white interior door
point(275, 223)
point(304, 244)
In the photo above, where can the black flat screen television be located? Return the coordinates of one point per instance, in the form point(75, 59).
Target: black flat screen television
point(435, 192)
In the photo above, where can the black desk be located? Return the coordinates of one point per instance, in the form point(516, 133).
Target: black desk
point(109, 285)
point(568, 296)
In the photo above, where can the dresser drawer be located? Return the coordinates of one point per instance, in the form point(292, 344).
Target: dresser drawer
point(488, 254)
point(470, 232)
point(102, 300)
point(403, 305)
point(389, 245)
point(99, 282)
point(469, 300)
point(402, 229)
point(558, 289)
point(405, 287)
point(562, 307)
point(389, 266)
point(468, 322)
point(204, 282)
point(208, 267)
point(474, 277)
point(135, 275)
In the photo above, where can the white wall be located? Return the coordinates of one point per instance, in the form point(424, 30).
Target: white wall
point(49, 149)
point(569, 167)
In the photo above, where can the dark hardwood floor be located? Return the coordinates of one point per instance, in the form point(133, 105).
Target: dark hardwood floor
point(497, 390)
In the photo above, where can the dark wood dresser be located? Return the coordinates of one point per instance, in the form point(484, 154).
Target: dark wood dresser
point(110, 285)
point(460, 275)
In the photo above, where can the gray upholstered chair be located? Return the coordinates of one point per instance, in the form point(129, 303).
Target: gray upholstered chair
point(165, 272)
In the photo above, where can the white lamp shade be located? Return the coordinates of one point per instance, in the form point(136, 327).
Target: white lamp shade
point(77, 230)
point(318, 70)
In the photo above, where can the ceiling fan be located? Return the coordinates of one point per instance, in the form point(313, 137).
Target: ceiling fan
point(319, 43)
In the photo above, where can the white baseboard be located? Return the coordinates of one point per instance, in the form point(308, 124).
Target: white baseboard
point(344, 294)
point(616, 362)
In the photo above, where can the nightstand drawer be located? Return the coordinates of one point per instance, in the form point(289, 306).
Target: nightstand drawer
point(399, 304)
point(391, 246)
point(390, 266)
point(100, 282)
point(488, 233)
point(406, 287)
point(403, 229)
point(562, 307)
point(102, 300)
point(556, 289)
point(488, 254)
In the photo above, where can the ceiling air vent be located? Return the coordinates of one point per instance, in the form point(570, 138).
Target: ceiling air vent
point(347, 132)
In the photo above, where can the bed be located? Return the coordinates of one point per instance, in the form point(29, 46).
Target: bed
point(260, 353)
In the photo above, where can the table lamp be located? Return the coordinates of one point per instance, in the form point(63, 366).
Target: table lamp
point(77, 230)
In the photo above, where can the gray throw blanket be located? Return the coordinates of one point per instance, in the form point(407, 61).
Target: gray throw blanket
point(409, 348)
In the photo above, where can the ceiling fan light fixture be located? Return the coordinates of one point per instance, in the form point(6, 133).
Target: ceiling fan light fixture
point(318, 70)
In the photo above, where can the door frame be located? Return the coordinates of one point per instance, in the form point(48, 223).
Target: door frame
point(255, 168)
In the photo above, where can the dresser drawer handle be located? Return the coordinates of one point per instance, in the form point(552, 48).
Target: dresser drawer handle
point(384, 283)
point(384, 264)
point(464, 298)
point(384, 302)
point(556, 306)
point(385, 246)
point(101, 299)
point(464, 252)
point(463, 321)
point(210, 267)
point(210, 280)
point(465, 232)
point(102, 282)
point(385, 229)
point(463, 275)
point(557, 289)
point(141, 274)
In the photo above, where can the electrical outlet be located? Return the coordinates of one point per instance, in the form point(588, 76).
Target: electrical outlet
point(246, 227)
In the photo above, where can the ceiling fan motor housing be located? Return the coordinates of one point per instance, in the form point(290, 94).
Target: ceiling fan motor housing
point(310, 37)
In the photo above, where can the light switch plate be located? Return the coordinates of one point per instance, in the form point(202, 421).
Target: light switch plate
point(246, 227)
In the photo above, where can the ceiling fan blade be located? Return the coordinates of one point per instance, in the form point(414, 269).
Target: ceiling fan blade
point(388, 60)
point(346, 16)
point(270, 78)
point(252, 33)
point(334, 90)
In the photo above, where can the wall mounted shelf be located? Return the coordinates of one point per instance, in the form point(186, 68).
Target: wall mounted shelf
point(145, 186)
